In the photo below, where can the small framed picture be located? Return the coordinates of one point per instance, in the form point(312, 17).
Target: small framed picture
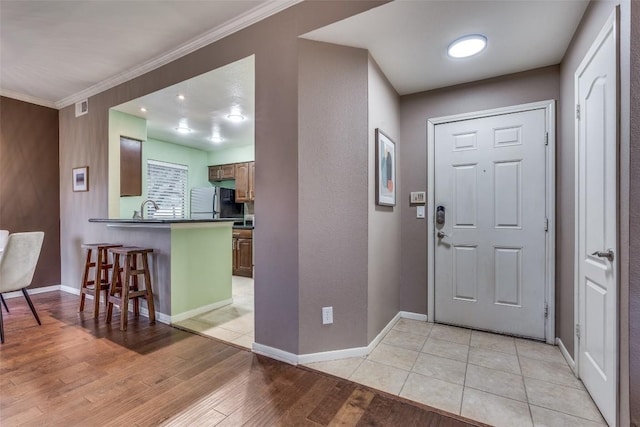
point(385, 170)
point(80, 179)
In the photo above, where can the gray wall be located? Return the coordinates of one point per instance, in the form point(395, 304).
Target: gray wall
point(634, 231)
point(84, 141)
point(384, 229)
point(531, 86)
point(332, 178)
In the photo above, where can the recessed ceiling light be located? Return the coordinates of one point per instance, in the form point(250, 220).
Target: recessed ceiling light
point(180, 97)
point(144, 110)
point(216, 139)
point(183, 129)
point(467, 46)
point(235, 117)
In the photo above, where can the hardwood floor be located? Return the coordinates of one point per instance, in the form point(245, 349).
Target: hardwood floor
point(75, 371)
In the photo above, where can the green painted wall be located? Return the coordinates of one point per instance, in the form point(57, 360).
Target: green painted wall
point(153, 149)
point(120, 124)
point(232, 155)
point(201, 260)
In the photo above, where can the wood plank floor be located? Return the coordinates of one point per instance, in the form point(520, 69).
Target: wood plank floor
point(73, 371)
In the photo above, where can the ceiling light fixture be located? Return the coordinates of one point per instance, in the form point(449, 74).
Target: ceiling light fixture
point(144, 110)
point(180, 97)
point(467, 46)
point(235, 117)
point(216, 139)
point(183, 129)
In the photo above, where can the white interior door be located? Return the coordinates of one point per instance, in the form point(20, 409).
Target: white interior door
point(490, 252)
point(596, 88)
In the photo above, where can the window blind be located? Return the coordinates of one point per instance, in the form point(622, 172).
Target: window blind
point(167, 186)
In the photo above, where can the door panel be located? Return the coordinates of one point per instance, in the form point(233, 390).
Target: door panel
point(465, 262)
point(490, 265)
point(466, 195)
point(508, 277)
point(596, 93)
point(507, 194)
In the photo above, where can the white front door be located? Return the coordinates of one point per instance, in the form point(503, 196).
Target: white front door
point(596, 177)
point(490, 243)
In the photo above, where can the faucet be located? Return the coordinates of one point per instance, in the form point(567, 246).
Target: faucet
point(155, 205)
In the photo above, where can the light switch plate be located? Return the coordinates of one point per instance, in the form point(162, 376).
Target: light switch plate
point(418, 197)
point(420, 212)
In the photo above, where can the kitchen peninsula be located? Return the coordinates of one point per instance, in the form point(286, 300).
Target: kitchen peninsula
point(191, 263)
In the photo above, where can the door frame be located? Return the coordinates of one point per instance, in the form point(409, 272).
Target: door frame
point(550, 242)
point(611, 25)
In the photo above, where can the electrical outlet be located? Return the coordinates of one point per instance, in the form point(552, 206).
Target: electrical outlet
point(327, 315)
point(420, 212)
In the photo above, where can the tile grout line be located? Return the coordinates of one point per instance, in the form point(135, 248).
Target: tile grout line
point(411, 371)
point(466, 369)
point(524, 385)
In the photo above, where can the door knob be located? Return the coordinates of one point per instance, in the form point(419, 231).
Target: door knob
point(608, 254)
point(441, 235)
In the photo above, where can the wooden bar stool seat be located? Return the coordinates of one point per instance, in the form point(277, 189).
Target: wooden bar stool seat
point(98, 280)
point(125, 285)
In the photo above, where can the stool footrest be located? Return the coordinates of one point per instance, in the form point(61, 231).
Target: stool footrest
point(125, 284)
point(101, 270)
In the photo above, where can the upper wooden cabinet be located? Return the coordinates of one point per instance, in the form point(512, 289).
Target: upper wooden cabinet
point(222, 172)
point(245, 181)
point(130, 166)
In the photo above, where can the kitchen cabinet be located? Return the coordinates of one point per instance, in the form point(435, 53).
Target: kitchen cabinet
point(222, 172)
point(245, 182)
point(130, 167)
point(242, 252)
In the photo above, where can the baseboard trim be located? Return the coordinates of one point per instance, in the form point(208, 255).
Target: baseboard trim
point(345, 353)
point(187, 314)
point(32, 291)
point(160, 317)
point(275, 353)
point(71, 290)
point(567, 356)
point(413, 316)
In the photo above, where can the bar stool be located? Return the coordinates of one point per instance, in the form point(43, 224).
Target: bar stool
point(101, 271)
point(125, 284)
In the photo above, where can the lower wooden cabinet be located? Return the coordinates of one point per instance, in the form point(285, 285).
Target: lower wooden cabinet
point(243, 252)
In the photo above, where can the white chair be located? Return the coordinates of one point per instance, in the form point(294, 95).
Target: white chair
point(17, 266)
point(4, 236)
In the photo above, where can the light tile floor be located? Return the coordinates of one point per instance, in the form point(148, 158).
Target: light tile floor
point(233, 323)
point(499, 380)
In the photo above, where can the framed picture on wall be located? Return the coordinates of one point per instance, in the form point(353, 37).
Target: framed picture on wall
point(80, 179)
point(385, 170)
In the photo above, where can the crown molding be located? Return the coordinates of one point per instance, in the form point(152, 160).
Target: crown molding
point(28, 98)
point(248, 18)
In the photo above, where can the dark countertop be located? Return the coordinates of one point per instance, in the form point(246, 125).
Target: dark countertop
point(155, 220)
point(243, 227)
